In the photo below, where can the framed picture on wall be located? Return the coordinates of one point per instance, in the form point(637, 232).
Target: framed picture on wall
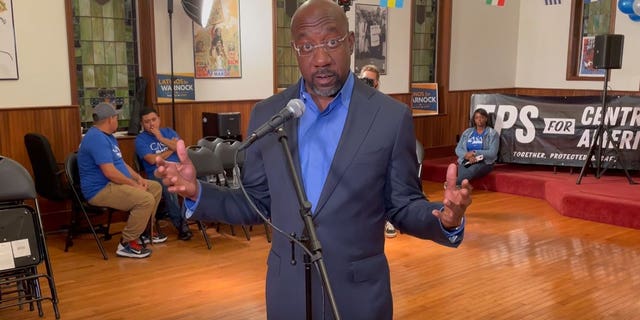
point(371, 37)
point(586, 68)
point(8, 52)
point(217, 46)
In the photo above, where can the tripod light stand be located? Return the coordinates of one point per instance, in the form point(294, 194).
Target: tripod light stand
point(198, 11)
point(608, 55)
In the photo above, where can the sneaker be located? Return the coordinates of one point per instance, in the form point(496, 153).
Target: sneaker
point(156, 238)
point(389, 230)
point(132, 249)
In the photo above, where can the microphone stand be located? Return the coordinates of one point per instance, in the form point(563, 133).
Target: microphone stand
point(309, 237)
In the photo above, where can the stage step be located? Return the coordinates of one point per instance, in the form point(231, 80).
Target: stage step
point(610, 199)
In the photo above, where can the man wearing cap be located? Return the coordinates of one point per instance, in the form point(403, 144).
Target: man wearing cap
point(107, 181)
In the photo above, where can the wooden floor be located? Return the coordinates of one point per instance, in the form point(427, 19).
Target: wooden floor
point(519, 260)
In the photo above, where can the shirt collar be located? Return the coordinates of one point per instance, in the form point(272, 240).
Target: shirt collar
point(342, 98)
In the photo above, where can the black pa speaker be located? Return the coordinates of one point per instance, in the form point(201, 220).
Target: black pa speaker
point(225, 125)
point(608, 51)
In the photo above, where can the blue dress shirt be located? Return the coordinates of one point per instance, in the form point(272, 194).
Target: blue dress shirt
point(319, 133)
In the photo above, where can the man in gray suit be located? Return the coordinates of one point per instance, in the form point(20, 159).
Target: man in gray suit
point(354, 149)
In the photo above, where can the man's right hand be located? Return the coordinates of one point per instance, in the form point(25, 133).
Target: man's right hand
point(179, 177)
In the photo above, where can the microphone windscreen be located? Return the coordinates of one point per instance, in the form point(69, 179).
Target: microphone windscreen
point(297, 107)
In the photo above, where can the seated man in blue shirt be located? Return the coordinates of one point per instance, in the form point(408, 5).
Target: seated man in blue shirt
point(155, 141)
point(107, 181)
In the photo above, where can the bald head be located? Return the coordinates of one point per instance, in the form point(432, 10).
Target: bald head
point(322, 28)
point(315, 12)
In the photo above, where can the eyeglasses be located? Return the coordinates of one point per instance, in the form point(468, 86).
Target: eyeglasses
point(307, 48)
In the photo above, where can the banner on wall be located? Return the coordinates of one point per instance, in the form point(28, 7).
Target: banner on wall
point(424, 98)
point(183, 86)
point(560, 130)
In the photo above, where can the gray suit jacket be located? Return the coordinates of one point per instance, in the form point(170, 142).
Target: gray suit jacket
point(373, 177)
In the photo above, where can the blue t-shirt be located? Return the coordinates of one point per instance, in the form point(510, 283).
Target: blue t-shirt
point(146, 143)
point(475, 141)
point(98, 148)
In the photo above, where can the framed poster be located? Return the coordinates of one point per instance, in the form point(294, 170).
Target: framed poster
point(217, 46)
point(371, 37)
point(586, 59)
point(8, 52)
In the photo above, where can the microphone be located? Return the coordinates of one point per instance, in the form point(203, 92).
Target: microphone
point(293, 109)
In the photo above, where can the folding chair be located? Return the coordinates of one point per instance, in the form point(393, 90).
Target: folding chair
point(209, 142)
point(226, 152)
point(23, 243)
point(81, 205)
point(209, 168)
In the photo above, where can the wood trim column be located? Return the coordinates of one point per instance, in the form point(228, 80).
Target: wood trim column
point(73, 74)
point(443, 52)
point(147, 49)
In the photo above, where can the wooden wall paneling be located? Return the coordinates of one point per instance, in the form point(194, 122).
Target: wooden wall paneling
point(189, 116)
point(61, 126)
point(128, 149)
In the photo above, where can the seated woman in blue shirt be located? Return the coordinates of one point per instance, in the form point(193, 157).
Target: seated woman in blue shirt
point(477, 149)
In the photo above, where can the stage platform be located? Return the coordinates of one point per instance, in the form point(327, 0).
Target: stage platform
point(610, 199)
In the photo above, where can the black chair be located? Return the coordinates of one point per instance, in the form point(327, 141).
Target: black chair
point(209, 168)
point(49, 175)
point(226, 152)
point(22, 237)
point(210, 142)
point(138, 166)
point(81, 205)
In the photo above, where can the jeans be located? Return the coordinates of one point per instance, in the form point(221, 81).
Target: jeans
point(474, 171)
point(172, 207)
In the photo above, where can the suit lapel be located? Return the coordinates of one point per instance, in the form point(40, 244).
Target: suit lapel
point(291, 128)
point(357, 125)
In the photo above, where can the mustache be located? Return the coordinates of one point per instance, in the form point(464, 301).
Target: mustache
point(324, 73)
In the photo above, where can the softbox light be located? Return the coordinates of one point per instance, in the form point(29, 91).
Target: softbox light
point(198, 10)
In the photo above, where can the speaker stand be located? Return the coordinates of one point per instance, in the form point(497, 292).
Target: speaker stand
point(597, 141)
